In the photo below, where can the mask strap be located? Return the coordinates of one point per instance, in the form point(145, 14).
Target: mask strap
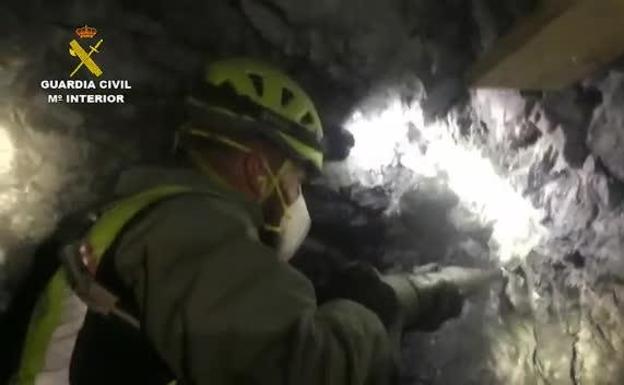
point(280, 195)
point(275, 181)
point(273, 229)
point(218, 138)
point(200, 161)
point(207, 168)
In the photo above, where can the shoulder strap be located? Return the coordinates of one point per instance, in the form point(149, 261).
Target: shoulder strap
point(112, 221)
point(80, 259)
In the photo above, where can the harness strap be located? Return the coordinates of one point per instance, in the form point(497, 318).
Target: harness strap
point(111, 222)
point(81, 260)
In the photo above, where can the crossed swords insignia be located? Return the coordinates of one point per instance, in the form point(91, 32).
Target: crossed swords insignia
point(76, 49)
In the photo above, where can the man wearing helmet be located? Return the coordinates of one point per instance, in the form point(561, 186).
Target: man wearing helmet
point(194, 258)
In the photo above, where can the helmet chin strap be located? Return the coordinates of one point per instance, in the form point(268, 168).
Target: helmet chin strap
point(206, 168)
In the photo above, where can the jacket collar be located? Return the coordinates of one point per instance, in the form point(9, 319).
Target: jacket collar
point(139, 179)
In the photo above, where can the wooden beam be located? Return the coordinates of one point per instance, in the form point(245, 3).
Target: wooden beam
point(565, 41)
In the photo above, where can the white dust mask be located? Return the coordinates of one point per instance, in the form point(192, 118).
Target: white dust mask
point(294, 227)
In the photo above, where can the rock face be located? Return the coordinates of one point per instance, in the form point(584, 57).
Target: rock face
point(575, 269)
point(557, 315)
point(553, 161)
point(606, 133)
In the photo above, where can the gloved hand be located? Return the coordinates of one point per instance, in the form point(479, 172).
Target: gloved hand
point(362, 283)
point(426, 299)
point(439, 302)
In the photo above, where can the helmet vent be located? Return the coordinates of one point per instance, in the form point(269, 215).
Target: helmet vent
point(287, 97)
point(307, 119)
point(258, 83)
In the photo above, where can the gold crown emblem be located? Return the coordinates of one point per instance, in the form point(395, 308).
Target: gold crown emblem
point(86, 32)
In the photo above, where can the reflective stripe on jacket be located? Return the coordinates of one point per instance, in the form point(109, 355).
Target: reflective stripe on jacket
point(59, 313)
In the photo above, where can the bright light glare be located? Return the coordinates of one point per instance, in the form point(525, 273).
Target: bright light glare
point(7, 151)
point(398, 134)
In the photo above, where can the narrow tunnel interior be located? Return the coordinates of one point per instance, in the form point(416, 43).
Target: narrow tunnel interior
point(422, 166)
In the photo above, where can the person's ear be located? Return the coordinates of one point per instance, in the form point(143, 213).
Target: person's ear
point(255, 175)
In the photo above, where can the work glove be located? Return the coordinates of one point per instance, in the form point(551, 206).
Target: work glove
point(425, 302)
point(440, 302)
point(362, 283)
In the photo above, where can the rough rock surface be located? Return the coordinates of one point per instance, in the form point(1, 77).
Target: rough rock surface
point(575, 271)
point(558, 318)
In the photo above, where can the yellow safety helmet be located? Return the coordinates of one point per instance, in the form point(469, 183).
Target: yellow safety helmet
point(243, 97)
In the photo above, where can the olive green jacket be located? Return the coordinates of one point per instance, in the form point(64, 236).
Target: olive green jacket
point(220, 308)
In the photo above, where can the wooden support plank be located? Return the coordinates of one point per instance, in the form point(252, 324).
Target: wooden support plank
point(565, 42)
